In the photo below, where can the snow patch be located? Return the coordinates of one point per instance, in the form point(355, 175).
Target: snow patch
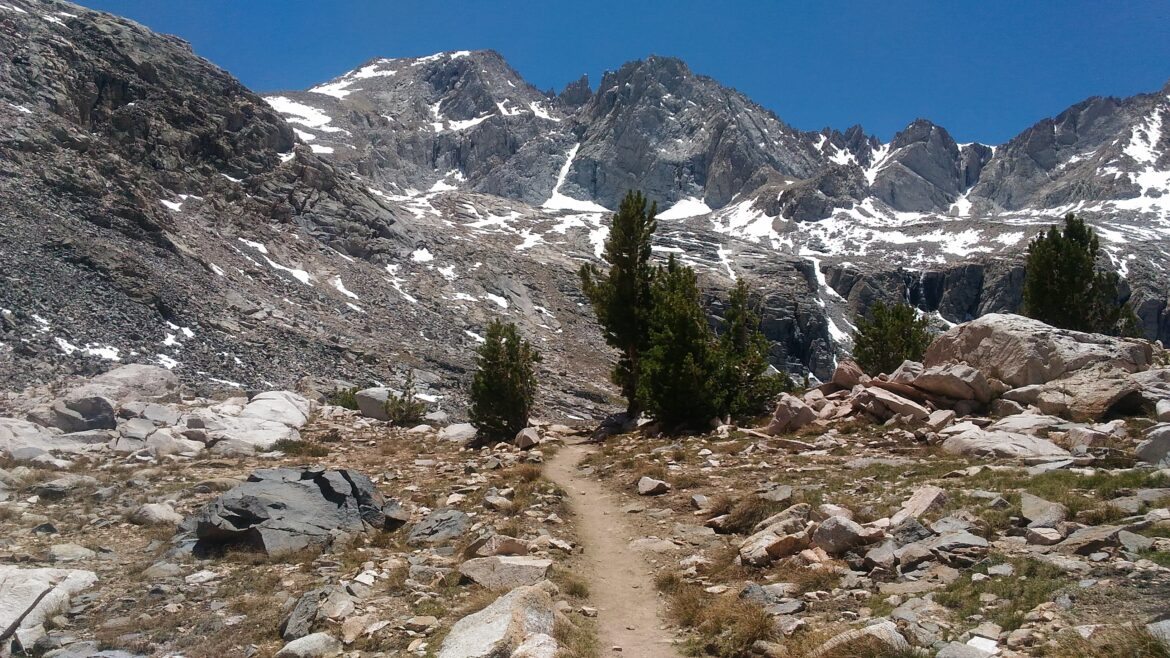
point(559, 201)
point(342, 289)
point(423, 255)
point(688, 207)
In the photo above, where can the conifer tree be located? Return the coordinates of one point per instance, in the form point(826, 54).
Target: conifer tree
point(891, 335)
point(743, 352)
point(621, 296)
point(504, 386)
point(679, 373)
point(1064, 288)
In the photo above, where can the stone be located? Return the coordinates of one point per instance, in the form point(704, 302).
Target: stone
point(939, 419)
point(24, 437)
point(1002, 407)
point(164, 442)
point(884, 633)
point(1090, 540)
point(527, 438)
point(284, 407)
point(502, 627)
point(837, 534)
point(957, 381)
point(1044, 536)
point(507, 572)
point(137, 428)
point(920, 502)
point(459, 433)
point(648, 486)
point(1133, 542)
point(1020, 351)
point(886, 404)
point(769, 544)
point(983, 443)
point(284, 510)
point(537, 645)
point(316, 645)
point(848, 374)
point(1041, 513)
point(957, 650)
point(791, 414)
point(502, 545)
point(372, 402)
point(1162, 411)
point(31, 597)
point(329, 602)
point(79, 413)
point(156, 514)
point(1155, 447)
point(439, 527)
point(129, 382)
point(69, 553)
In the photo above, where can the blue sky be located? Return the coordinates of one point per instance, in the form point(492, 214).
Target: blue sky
point(983, 69)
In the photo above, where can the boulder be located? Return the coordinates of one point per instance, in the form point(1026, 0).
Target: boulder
point(502, 627)
point(284, 510)
point(883, 633)
point(990, 443)
point(791, 414)
point(1040, 513)
point(648, 486)
point(439, 527)
point(837, 534)
point(772, 544)
point(156, 514)
point(506, 572)
point(23, 437)
point(1090, 540)
point(957, 381)
point(848, 374)
point(939, 419)
point(885, 404)
point(1162, 411)
point(527, 438)
point(459, 433)
point(372, 402)
point(164, 442)
point(316, 645)
point(82, 413)
point(284, 407)
point(1155, 447)
point(920, 502)
point(31, 597)
point(1021, 351)
point(133, 381)
point(316, 605)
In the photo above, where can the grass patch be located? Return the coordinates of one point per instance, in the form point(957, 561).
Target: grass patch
point(725, 626)
point(300, 448)
point(570, 583)
point(578, 638)
point(748, 511)
point(1032, 583)
point(1127, 641)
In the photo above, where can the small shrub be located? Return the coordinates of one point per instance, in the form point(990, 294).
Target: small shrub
point(343, 397)
point(405, 409)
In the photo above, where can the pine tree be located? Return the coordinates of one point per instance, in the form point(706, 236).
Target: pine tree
point(679, 372)
point(405, 409)
point(621, 296)
point(504, 386)
point(1064, 288)
point(743, 353)
point(888, 337)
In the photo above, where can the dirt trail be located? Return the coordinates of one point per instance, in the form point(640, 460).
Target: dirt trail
point(620, 582)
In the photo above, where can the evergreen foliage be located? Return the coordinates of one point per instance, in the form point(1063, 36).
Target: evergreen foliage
point(891, 335)
point(504, 386)
point(679, 380)
point(343, 397)
point(621, 296)
point(1064, 288)
point(405, 409)
point(743, 353)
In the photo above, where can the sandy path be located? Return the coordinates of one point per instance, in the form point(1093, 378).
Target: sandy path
point(620, 582)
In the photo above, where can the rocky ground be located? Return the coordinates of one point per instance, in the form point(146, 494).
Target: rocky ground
point(1013, 502)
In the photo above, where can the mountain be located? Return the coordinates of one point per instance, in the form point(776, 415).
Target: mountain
point(154, 209)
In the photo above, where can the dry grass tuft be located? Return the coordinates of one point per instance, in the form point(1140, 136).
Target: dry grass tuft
point(725, 626)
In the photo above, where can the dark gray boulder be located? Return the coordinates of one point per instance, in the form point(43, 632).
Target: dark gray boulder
point(283, 510)
point(439, 527)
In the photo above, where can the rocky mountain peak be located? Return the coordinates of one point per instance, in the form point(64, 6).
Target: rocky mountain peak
point(576, 93)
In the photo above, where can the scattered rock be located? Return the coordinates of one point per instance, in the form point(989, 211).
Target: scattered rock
point(648, 486)
point(499, 573)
